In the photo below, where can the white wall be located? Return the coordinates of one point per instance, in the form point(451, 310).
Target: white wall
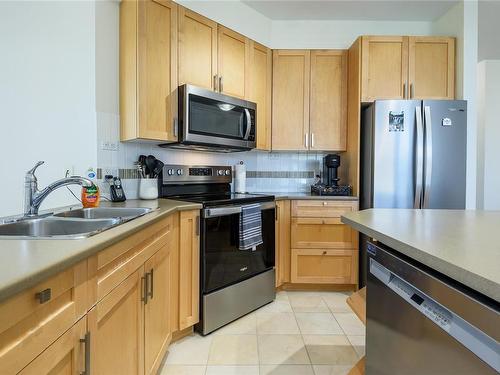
point(489, 135)
point(338, 34)
point(47, 95)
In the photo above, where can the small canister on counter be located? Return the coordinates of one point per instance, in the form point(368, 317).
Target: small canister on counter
point(240, 177)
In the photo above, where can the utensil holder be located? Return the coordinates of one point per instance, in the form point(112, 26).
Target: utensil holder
point(148, 188)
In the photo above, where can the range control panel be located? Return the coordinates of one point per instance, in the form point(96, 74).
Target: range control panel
point(191, 174)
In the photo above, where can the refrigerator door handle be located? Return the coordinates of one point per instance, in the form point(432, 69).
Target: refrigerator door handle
point(428, 155)
point(419, 159)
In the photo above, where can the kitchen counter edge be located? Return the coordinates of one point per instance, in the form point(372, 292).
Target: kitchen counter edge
point(38, 260)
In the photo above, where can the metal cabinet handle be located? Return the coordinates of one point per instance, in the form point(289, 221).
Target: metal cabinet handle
point(44, 295)
point(324, 252)
point(86, 341)
point(306, 140)
point(144, 281)
point(151, 286)
point(276, 213)
point(215, 82)
point(404, 90)
point(312, 140)
point(221, 84)
point(412, 91)
point(197, 225)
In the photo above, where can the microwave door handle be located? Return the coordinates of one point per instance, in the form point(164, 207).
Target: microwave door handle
point(249, 124)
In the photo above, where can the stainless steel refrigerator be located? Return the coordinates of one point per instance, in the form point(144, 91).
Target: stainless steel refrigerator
point(413, 155)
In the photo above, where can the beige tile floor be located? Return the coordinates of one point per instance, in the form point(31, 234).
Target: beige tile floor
point(300, 333)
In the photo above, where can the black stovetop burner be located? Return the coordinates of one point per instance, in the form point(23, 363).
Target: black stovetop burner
point(210, 200)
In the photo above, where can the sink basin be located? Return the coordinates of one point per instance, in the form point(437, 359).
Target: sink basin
point(105, 213)
point(50, 227)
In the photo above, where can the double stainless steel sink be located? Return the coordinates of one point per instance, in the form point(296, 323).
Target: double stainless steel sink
point(72, 224)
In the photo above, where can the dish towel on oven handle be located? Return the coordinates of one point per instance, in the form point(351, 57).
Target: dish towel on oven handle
point(250, 227)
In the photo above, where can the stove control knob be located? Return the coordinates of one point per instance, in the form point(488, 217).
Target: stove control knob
point(228, 172)
point(170, 172)
point(179, 172)
point(220, 172)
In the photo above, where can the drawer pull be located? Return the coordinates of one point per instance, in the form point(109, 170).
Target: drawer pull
point(44, 295)
point(325, 203)
point(324, 252)
point(86, 342)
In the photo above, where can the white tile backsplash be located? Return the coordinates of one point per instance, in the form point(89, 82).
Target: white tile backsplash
point(108, 130)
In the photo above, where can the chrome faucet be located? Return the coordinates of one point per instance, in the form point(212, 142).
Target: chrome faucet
point(33, 197)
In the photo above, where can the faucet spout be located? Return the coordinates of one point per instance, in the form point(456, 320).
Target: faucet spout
point(34, 197)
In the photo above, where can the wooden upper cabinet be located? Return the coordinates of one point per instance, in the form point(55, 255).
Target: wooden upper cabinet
point(290, 113)
point(197, 50)
point(431, 73)
point(148, 69)
point(233, 63)
point(384, 67)
point(328, 107)
point(261, 59)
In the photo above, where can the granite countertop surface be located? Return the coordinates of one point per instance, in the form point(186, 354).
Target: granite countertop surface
point(304, 195)
point(25, 262)
point(460, 244)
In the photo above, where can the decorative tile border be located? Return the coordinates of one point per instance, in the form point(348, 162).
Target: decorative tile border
point(132, 174)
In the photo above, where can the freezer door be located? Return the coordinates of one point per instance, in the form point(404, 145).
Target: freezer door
point(445, 123)
point(395, 155)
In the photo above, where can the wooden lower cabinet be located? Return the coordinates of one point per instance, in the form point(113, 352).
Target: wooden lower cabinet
point(189, 268)
point(116, 326)
point(34, 319)
point(282, 246)
point(311, 232)
point(66, 356)
point(157, 322)
point(324, 266)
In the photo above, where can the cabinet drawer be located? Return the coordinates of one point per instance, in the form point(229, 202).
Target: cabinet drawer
point(30, 321)
point(324, 266)
point(325, 208)
point(322, 233)
point(110, 267)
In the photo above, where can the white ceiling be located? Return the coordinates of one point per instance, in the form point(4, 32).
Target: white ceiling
point(374, 10)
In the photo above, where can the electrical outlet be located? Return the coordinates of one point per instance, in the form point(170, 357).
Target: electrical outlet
point(109, 146)
point(110, 171)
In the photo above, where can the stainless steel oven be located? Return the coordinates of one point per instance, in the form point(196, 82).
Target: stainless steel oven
point(212, 121)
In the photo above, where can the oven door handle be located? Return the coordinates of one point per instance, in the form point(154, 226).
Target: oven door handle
point(230, 210)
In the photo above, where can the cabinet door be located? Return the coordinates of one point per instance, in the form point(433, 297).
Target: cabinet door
point(157, 320)
point(328, 108)
point(310, 232)
point(64, 357)
point(260, 91)
point(189, 268)
point(282, 230)
point(32, 320)
point(116, 326)
point(324, 266)
point(157, 57)
point(291, 70)
point(432, 68)
point(384, 68)
point(197, 49)
point(233, 63)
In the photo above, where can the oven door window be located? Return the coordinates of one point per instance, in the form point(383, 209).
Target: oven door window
point(223, 263)
point(214, 118)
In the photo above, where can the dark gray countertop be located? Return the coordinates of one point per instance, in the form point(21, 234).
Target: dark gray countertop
point(25, 262)
point(460, 244)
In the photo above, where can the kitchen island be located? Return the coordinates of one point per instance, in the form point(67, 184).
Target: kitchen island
point(433, 290)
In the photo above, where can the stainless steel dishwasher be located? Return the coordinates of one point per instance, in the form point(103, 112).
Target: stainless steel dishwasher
point(421, 322)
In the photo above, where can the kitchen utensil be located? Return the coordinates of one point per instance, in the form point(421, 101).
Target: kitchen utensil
point(157, 169)
point(150, 164)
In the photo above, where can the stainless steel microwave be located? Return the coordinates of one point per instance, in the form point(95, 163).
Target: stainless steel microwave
point(211, 121)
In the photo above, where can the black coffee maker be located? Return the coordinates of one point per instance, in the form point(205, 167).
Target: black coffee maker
point(330, 184)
